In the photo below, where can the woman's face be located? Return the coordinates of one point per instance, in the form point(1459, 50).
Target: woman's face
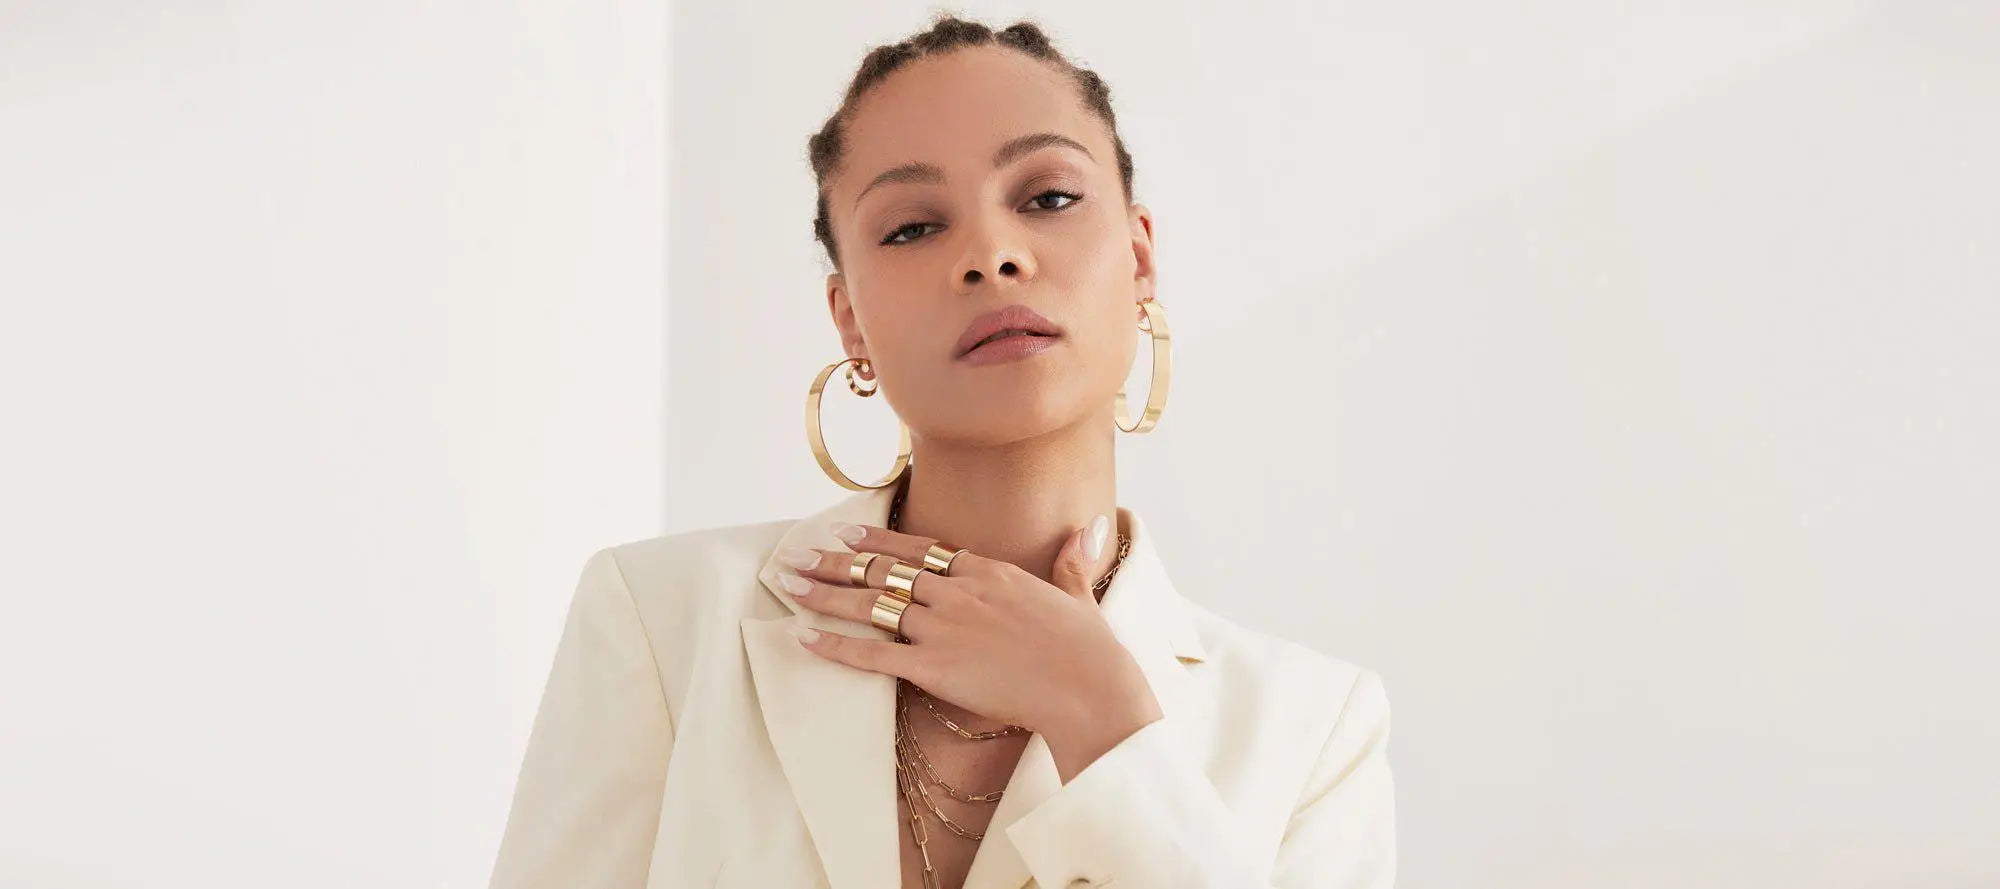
point(924, 256)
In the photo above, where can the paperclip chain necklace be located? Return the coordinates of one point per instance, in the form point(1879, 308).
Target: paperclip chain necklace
point(912, 766)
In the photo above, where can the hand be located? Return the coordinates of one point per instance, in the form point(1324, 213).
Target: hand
point(991, 638)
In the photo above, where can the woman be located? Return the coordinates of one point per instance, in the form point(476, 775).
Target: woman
point(974, 672)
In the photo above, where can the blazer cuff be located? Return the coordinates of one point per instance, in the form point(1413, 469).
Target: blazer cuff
point(1144, 814)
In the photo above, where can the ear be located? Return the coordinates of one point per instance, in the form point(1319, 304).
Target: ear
point(1144, 271)
point(837, 302)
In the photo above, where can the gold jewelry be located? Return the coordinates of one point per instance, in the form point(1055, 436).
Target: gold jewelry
point(902, 580)
point(906, 780)
point(1155, 323)
point(903, 714)
point(910, 784)
point(895, 523)
point(887, 615)
point(907, 753)
point(938, 559)
point(930, 704)
point(912, 765)
point(857, 569)
point(818, 442)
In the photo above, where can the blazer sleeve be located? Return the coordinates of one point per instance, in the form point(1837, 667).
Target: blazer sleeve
point(587, 804)
point(1145, 814)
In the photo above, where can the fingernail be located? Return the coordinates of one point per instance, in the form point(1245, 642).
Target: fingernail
point(794, 584)
point(1093, 539)
point(849, 534)
point(799, 556)
point(806, 635)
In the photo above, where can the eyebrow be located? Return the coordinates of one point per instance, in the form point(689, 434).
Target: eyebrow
point(918, 172)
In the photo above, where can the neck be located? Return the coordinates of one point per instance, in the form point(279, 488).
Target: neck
point(1017, 502)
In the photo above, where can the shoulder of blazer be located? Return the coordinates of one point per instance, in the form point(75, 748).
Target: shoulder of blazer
point(1245, 664)
point(691, 587)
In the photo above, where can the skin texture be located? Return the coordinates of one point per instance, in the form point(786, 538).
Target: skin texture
point(1013, 460)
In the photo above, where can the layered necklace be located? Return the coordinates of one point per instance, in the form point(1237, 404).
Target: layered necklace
point(913, 768)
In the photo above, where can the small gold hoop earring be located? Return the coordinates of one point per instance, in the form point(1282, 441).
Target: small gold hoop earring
point(1155, 323)
point(818, 442)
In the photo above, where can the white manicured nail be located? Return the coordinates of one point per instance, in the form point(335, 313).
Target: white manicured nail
point(799, 556)
point(849, 534)
point(803, 633)
point(794, 584)
point(1093, 537)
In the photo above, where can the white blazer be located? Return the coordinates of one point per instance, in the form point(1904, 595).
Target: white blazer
point(686, 740)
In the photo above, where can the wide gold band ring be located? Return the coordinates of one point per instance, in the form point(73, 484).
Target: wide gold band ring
point(857, 569)
point(902, 580)
point(887, 615)
point(938, 559)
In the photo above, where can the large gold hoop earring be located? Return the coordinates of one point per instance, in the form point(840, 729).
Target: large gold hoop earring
point(818, 441)
point(1155, 323)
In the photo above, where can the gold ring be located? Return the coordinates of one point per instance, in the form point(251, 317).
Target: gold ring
point(887, 615)
point(857, 570)
point(938, 559)
point(902, 580)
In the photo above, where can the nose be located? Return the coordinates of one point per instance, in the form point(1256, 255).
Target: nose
point(997, 255)
point(1006, 267)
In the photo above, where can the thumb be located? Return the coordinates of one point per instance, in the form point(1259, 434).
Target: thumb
point(1078, 563)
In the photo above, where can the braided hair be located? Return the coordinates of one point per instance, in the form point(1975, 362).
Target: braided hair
point(948, 33)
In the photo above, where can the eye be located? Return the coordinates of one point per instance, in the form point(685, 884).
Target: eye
point(1038, 201)
point(1073, 198)
point(890, 239)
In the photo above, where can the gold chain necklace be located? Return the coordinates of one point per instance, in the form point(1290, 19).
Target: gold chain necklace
point(913, 766)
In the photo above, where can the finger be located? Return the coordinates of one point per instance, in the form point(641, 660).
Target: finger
point(873, 655)
point(830, 565)
point(906, 548)
point(851, 602)
point(837, 567)
point(1082, 559)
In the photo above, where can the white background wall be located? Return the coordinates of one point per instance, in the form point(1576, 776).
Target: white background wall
point(331, 346)
point(1622, 377)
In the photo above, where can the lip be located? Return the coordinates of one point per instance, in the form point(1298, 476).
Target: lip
point(1014, 317)
point(1010, 348)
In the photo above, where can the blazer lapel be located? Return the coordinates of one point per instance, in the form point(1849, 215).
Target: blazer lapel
point(832, 725)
